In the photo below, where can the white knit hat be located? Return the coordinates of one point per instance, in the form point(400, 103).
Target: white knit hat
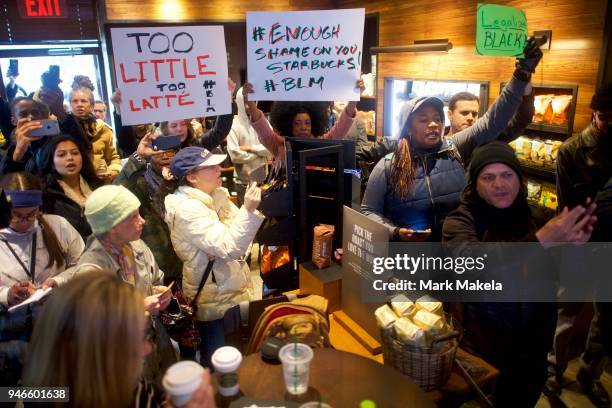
point(107, 206)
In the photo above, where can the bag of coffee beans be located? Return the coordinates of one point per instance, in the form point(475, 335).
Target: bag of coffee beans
point(322, 245)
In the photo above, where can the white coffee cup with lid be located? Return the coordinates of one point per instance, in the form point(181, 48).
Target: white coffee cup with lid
point(181, 380)
point(226, 361)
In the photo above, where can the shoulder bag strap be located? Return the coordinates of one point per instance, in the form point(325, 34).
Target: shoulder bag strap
point(207, 273)
point(32, 271)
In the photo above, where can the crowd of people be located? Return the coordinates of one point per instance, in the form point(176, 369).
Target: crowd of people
point(107, 222)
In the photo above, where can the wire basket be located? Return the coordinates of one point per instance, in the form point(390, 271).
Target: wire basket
point(429, 368)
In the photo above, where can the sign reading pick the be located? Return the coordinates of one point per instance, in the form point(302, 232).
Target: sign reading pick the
point(500, 31)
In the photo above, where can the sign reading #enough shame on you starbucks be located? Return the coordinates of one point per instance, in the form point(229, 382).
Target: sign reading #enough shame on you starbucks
point(305, 55)
point(500, 30)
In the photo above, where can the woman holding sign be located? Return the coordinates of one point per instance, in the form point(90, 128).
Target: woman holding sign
point(131, 136)
point(412, 190)
point(297, 119)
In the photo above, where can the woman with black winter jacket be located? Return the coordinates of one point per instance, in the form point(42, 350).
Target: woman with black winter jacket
point(69, 178)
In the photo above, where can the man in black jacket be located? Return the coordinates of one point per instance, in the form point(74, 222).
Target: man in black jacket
point(584, 166)
point(584, 162)
point(26, 115)
point(514, 337)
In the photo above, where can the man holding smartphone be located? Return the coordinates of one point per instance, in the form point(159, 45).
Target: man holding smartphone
point(27, 115)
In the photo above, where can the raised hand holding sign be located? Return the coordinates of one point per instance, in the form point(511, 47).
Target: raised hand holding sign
point(305, 55)
point(169, 73)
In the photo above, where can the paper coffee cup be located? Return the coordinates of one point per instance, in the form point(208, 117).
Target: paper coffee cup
point(181, 380)
point(226, 361)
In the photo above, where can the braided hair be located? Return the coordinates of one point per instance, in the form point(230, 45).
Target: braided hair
point(402, 168)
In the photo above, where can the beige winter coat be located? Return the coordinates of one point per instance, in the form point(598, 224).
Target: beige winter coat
point(204, 226)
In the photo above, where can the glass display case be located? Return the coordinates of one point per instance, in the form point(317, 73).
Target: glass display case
point(537, 148)
point(555, 106)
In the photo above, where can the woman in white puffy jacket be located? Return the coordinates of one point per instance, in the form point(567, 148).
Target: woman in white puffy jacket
point(206, 226)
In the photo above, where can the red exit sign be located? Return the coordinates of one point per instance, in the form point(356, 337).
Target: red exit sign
point(43, 8)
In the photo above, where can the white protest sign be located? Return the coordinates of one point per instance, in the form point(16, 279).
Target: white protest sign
point(305, 55)
point(169, 73)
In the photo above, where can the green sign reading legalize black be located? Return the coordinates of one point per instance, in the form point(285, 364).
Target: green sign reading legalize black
point(500, 30)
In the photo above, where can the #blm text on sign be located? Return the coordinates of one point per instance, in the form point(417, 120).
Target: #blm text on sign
point(170, 73)
point(305, 55)
point(500, 30)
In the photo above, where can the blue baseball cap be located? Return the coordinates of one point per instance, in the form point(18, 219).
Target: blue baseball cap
point(24, 199)
point(191, 158)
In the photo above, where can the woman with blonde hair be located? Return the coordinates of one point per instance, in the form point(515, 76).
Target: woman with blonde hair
point(92, 338)
point(80, 341)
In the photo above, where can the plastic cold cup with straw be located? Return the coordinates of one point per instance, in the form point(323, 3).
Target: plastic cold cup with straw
point(226, 361)
point(296, 358)
point(181, 380)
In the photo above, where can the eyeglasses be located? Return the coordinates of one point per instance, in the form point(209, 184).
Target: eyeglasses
point(24, 218)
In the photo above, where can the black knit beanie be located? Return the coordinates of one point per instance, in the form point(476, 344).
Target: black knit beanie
point(494, 152)
point(602, 99)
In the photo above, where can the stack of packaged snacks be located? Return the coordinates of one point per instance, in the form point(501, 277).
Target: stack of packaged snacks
point(536, 152)
point(552, 109)
point(414, 324)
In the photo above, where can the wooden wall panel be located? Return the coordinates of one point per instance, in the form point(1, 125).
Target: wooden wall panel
point(573, 59)
point(173, 10)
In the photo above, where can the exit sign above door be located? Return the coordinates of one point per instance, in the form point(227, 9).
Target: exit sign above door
point(42, 8)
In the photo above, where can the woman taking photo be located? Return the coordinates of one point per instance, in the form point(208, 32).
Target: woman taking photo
point(69, 178)
point(36, 251)
point(208, 231)
point(184, 129)
point(187, 135)
point(81, 343)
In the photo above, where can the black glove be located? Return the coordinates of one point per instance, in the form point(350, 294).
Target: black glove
point(531, 57)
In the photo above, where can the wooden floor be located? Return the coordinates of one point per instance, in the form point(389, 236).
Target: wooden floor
point(572, 395)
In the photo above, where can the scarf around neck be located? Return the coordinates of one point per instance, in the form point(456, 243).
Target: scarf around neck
point(74, 195)
point(124, 256)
